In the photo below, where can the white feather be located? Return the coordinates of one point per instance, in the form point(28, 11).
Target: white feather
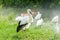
point(38, 16)
point(25, 19)
point(56, 30)
point(55, 20)
point(19, 18)
point(39, 22)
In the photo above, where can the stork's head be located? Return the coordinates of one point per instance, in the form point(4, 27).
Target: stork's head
point(29, 11)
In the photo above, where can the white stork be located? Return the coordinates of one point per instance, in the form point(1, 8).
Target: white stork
point(24, 21)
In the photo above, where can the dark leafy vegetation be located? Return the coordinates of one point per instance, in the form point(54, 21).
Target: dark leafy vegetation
point(31, 3)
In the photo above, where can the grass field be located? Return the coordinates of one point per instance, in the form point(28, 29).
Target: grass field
point(8, 31)
point(8, 27)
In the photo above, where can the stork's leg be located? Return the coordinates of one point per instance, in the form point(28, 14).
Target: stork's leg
point(28, 25)
point(24, 28)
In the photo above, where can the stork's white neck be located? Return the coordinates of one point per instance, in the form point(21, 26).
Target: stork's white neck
point(30, 15)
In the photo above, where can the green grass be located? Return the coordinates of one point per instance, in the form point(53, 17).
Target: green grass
point(8, 31)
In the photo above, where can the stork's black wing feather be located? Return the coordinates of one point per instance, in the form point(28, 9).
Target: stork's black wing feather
point(19, 27)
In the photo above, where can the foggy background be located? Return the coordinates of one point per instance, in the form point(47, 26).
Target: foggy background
point(48, 8)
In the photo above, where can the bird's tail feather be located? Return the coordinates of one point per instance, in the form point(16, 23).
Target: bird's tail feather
point(20, 26)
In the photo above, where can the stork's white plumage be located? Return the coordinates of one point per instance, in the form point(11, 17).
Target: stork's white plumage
point(55, 20)
point(38, 16)
point(39, 22)
point(23, 19)
point(26, 19)
point(30, 15)
point(18, 18)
